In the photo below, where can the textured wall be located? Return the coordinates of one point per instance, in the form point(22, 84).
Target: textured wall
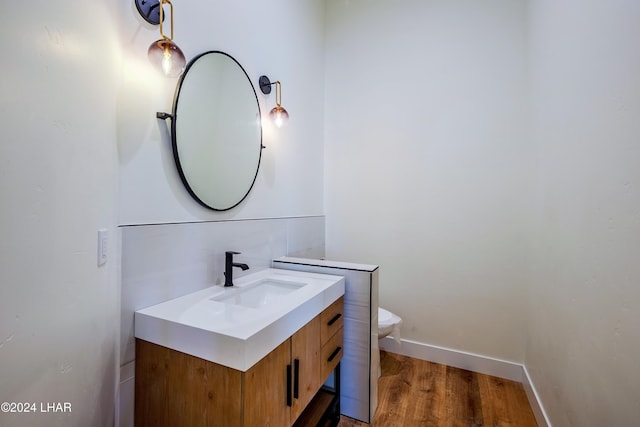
point(583, 340)
point(58, 175)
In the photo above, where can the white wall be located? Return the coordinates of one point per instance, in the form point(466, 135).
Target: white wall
point(426, 163)
point(58, 309)
point(282, 40)
point(583, 339)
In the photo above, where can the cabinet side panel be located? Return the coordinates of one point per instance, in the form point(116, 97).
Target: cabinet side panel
point(174, 388)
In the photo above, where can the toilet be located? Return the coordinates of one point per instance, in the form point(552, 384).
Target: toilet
point(388, 323)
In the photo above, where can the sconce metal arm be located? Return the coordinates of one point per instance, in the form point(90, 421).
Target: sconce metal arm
point(164, 116)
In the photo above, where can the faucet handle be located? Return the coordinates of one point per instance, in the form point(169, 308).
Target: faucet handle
point(232, 253)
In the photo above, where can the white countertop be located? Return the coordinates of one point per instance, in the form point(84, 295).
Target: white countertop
point(233, 335)
point(326, 263)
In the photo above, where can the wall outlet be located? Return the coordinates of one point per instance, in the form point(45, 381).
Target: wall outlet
point(103, 238)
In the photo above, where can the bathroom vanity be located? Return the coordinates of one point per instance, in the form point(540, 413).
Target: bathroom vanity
point(259, 353)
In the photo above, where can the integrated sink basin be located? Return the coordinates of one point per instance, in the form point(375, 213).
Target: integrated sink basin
point(239, 325)
point(260, 294)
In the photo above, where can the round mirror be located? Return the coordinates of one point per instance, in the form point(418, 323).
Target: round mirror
point(216, 131)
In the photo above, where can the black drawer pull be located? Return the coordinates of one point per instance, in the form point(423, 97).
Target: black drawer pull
point(288, 385)
point(334, 319)
point(334, 354)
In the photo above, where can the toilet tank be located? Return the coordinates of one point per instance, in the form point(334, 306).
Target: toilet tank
point(359, 365)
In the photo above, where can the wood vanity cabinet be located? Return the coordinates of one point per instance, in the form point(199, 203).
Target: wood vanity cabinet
point(177, 389)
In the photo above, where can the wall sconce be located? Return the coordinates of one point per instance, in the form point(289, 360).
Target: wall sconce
point(278, 114)
point(164, 54)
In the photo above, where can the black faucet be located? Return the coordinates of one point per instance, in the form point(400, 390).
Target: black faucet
point(228, 267)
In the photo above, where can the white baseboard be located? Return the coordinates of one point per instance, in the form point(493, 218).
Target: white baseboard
point(472, 362)
point(457, 359)
point(534, 399)
point(126, 393)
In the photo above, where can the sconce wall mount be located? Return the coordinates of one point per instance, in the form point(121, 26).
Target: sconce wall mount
point(149, 10)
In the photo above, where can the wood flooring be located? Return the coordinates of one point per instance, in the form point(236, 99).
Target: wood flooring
point(414, 392)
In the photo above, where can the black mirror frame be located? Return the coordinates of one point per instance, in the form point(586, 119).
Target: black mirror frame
point(174, 139)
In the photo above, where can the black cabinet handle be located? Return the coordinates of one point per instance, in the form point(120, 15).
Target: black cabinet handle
point(288, 385)
point(334, 319)
point(296, 378)
point(334, 354)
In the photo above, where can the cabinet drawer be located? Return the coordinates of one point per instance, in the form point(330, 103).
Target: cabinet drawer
point(331, 353)
point(331, 319)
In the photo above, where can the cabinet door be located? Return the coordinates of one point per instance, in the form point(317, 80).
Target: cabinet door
point(305, 357)
point(265, 389)
point(175, 389)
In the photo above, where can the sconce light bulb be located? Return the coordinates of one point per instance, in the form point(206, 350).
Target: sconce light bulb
point(166, 62)
point(279, 116)
point(167, 57)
